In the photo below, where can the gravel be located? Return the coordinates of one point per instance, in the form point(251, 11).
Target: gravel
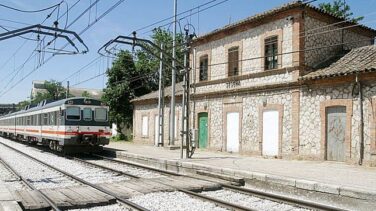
point(127, 169)
point(88, 173)
point(10, 180)
point(250, 201)
point(173, 201)
point(113, 207)
point(38, 175)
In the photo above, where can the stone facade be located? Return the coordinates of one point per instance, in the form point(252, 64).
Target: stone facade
point(255, 91)
point(323, 41)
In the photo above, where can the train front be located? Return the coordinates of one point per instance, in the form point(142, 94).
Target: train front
point(86, 124)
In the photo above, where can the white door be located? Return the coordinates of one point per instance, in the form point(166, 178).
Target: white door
point(156, 131)
point(270, 133)
point(233, 132)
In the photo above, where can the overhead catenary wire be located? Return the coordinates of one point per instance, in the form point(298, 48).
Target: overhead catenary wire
point(30, 11)
point(48, 59)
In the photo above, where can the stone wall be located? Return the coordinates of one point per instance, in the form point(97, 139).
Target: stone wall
point(318, 34)
point(310, 119)
point(151, 110)
point(250, 44)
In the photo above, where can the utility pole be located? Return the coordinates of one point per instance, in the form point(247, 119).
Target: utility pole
point(161, 102)
point(67, 94)
point(173, 81)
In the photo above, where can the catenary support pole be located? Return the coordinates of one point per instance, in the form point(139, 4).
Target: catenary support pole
point(173, 81)
point(161, 103)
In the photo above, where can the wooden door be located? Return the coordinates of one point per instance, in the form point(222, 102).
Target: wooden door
point(232, 132)
point(270, 133)
point(203, 130)
point(335, 133)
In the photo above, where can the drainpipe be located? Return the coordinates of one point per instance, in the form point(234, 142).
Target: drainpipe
point(361, 124)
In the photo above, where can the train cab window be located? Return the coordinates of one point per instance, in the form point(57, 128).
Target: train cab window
point(87, 114)
point(73, 113)
point(100, 114)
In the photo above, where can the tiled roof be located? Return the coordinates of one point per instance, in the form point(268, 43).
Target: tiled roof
point(167, 93)
point(361, 59)
point(268, 13)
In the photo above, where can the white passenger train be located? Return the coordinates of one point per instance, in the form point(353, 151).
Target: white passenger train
point(69, 125)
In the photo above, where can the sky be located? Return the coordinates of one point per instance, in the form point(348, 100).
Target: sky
point(16, 75)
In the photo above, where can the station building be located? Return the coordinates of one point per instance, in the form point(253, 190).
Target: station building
point(281, 84)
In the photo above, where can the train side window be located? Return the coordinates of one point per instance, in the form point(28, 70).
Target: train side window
point(45, 119)
point(52, 118)
point(28, 120)
point(39, 119)
point(73, 113)
point(87, 114)
point(100, 114)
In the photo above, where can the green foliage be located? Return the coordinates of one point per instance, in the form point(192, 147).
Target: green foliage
point(339, 8)
point(135, 75)
point(53, 90)
point(85, 94)
point(119, 91)
point(120, 137)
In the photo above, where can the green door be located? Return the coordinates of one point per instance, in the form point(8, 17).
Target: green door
point(203, 130)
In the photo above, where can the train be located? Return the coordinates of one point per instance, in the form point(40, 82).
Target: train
point(70, 125)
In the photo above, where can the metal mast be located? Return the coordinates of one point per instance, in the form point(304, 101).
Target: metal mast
point(161, 102)
point(173, 81)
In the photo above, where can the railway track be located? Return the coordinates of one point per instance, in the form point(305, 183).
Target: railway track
point(53, 205)
point(222, 203)
point(264, 195)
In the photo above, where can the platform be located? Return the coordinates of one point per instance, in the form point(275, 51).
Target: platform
point(320, 176)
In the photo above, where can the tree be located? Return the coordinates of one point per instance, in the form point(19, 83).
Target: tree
point(340, 8)
point(119, 90)
point(135, 75)
point(85, 94)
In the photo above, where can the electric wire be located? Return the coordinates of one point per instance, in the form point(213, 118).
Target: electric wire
point(30, 11)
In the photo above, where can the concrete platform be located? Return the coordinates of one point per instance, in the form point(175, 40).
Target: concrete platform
point(334, 178)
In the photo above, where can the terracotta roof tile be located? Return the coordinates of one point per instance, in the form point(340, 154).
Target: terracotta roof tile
point(361, 59)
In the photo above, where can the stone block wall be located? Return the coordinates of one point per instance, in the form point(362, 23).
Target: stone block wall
point(151, 110)
point(250, 44)
point(311, 120)
point(319, 34)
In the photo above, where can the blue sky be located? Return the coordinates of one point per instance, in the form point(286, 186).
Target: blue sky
point(129, 16)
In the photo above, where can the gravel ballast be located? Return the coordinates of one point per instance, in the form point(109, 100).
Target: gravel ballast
point(250, 201)
point(169, 201)
point(113, 207)
point(10, 180)
point(127, 169)
point(37, 174)
point(88, 173)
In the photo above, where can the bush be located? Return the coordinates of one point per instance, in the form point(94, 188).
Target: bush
point(120, 137)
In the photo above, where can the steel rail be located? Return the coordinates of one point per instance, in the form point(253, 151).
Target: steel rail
point(219, 202)
point(44, 196)
point(121, 199)
point(260, 194)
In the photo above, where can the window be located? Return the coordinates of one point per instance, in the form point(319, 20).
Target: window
point(271, 53)
point(87, 114)
point(52, 118)
point(100, 114)
point(45, 119)
point(73, 113)
point(145, 126)
point(233, 61)
point(204, 68)
point(28, 120)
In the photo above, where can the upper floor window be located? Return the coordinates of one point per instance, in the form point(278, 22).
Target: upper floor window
point(204, 60)
point(233, 61)
point(271, 53)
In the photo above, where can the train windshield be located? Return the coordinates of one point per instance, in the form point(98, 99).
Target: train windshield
point(100, 114)
point(73, 113)
point(87, 114)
